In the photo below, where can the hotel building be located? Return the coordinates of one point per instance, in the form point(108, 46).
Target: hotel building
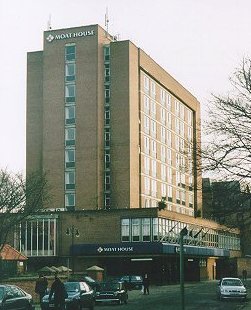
point(116, 134)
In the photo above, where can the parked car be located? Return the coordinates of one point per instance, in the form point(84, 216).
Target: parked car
point(231, 288)
point(80, 295)
point(132, 281)
point(13, 297)
point(112, 291)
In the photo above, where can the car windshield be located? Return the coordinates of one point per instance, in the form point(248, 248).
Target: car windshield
point(1, 292)
point(71, 287)
point(109, 286)
point(232, 282)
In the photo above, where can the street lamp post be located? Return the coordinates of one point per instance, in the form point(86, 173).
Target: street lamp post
point(183, 233)
point(73, 232)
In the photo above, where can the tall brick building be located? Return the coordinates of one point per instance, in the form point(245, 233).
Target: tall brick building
point(115, 134)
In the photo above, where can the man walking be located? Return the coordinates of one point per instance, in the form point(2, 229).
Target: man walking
point(59, 291)
point(146, 284)
point(41, 287)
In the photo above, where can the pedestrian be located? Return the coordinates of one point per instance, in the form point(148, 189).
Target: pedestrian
point(146, 284)
point(59, 291)
point(41, 287)
point(244, 274)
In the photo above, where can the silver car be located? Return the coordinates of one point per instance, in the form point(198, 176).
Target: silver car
point(231, 288)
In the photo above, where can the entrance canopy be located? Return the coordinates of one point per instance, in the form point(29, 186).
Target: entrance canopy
point(132, 248)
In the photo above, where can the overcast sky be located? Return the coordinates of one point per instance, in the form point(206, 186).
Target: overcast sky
point(199, 42)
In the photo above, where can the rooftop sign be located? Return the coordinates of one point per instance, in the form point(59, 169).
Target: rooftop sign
point(68, 35)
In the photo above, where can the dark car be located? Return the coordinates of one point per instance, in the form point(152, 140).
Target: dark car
point(13, 297)
point(112, 291)
point(132, 281)
point(80, 295)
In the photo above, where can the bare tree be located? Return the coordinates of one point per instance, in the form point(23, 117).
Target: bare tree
point(227, 151)
point(19, 198)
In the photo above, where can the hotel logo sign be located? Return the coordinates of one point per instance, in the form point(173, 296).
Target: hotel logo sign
point(79, 34)
point(118, 249)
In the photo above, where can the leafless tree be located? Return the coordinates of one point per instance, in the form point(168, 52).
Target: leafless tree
point(227, 150)
point(20, 197)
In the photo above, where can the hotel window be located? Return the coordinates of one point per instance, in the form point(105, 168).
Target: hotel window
point(162, 97)
point(177, 156)
point(147, 145)
point(178, 196)
point(189, 133)
point(153, 128)
point(163, 134)
point(153, 109)
point(153, 89)
point(70, 180)
point(190, 117)
point(107, 137)
point(69, 200)
point(106, 53)
point(146, 84)
point(70, 136)
point(107, 73)
point(70, 158)
point(70, 114)
point(107, 93)
point(154, 168)
point(70, 90)
point(37, 237)
point(177, 143)
point(169, 120)
point(168, 101)
point(146, 104)
point(163, 153)
point(147, 165)
point(70, 72)
point(147, 186)
point(182, 129)
point(182, 111)
point(107, 200)
point(146, 229)
point(178, 178)
point(169, 175)
point(190, 200)
point(70, 52)
point(125, 229)
point(182, 145)
point(135, 229)
point(183, 198)
point(163, 172)
point(107, 182)
point(163, 190)
point(177, 107)
point(155, 229)
point(169, 157)
point(163, 116)
point(146, 124)
point(107, 115)
point(154, 148)
point(169, 138)
point(177, 126)
point(154, 188)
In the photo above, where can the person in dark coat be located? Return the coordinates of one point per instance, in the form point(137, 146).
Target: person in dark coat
point(146, 284)
point(41, 287)
point(59, 291)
